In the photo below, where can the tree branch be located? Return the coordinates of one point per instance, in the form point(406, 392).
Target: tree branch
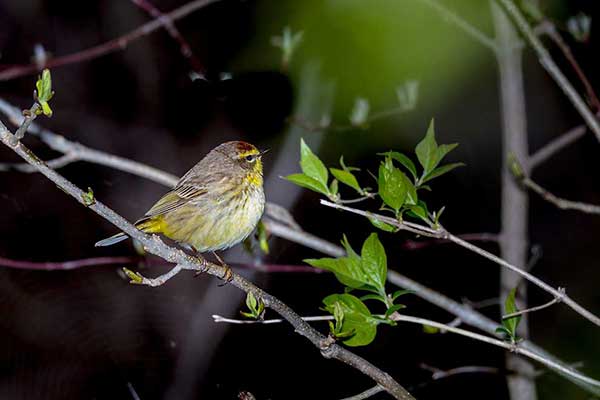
point(550, 66)
point(443, 234)
point(111, 46)
point(559, 202)
point(554, 146)
point(512, 347)
point(461, 23)
point(169, 25)
point(366, 394)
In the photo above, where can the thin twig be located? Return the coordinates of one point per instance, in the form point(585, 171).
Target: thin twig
point(29, 116)
point(548, 28)
point(366, 394)
point(169, 25)
point(153, 244)
point(532, 309)
point(443, 234)
point(473, 237)
point(437, 374)
point(461, 23)
point(512, 347)
point(550, 66)
point(111, 46)
point(559, 202)
point(555, 145)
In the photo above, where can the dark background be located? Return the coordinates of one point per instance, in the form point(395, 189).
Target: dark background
point(88, 334)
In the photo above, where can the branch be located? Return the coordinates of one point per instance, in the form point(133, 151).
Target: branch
point(554, 146)
point(532, 309)
point(559, 202)
point(168, 23)
point(461, 23)
point(111, 46)
point(98, 261)
point(512, 347)
point(441, 233)
point(549, 29)
point(473, 237)
point(366, 394)
point(550, 66)
point(155, 245)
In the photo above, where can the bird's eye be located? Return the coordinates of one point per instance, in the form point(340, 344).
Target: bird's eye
point(250, 158)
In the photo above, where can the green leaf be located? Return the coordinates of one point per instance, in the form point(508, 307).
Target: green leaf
point(411, 191)
point(510, 307)
point(443, 150)
point(44, 92)
point(427, 150)
point(399, 293)
point(346, 269)
point(384, 226)
point(430, 329)
point(404, 160)
point(418, 211)
point(441, 171)
point(311, 165)
point(347, 178)
point(262, 237)
point(251, 301)
point(88, 198)
point(392, 185)
point(333, 188)
point(374, 262)
point(393, 309)
point(308, 183)
point(356, 318)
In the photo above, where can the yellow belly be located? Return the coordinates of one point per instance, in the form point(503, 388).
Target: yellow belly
point(215, 224)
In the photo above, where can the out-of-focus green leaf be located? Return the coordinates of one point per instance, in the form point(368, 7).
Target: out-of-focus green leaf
point(430, 329)
point(408, 94)
point(262, 237)
point(356, 318)
point(580, 26)
point(360, 112)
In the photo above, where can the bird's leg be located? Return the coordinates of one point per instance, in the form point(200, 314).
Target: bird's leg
point(228, 275)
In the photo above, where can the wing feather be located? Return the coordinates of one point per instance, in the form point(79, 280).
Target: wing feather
point(176, 198)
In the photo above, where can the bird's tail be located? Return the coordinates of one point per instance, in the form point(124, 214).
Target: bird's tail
point(147, 225)
point(119, 237)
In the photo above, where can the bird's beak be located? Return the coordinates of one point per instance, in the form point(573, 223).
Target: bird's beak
point(262, 153)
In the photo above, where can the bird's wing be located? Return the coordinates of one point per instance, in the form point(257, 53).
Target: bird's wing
point(176, 198)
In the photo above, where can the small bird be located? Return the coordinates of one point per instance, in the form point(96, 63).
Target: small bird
point(214, 206)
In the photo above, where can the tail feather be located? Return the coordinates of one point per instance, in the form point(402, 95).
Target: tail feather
point(147, 225)
point(119, 237)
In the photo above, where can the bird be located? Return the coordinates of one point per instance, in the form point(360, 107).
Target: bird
point(214, 206)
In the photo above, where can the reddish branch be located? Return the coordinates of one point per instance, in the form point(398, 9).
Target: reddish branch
point(98, 261)
point(184, 46)
point(111, 46)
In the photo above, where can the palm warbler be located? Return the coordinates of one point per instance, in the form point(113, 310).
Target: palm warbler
point(214, 206)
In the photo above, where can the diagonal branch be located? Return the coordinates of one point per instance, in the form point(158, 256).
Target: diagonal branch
point(155, 245)
point(111, 46)
point(559, 202)
point(441, 233)
point(550, 66)
point(554, 146)
point(512, 347)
